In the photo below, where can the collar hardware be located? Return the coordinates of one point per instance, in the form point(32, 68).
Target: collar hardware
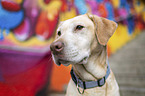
point(78, 87)
point(101, 82)
point(89, 84)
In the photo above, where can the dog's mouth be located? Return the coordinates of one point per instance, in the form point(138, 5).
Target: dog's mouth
point(64, 62)
point(84, 60)
point(67, 62)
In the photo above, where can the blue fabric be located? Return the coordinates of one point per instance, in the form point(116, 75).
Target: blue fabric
point(81, 6)
point(110, 10)
point(130, 24)
point(9, 20)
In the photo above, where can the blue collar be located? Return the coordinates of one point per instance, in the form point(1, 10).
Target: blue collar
point(89, 84)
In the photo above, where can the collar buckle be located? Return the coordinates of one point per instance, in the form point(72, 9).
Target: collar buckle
point(101, 82)
point(78, 87)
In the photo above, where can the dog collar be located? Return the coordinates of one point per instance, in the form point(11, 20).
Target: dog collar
point(89, 84)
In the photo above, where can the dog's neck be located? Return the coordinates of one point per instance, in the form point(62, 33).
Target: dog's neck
point(95, 68)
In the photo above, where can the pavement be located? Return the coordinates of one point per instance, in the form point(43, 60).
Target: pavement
point(128, 65)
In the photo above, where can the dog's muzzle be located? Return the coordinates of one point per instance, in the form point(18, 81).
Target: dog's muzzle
point(57, 47)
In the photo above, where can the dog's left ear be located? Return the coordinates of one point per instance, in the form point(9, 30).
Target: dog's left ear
point(104, 28)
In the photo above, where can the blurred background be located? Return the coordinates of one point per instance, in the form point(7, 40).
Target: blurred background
point(27, 28)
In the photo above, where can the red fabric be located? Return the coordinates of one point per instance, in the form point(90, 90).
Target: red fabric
point(26, 83)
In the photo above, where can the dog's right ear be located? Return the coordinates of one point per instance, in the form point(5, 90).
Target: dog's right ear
point(104, 28)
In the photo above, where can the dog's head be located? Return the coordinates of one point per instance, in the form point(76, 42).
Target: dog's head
point(75, 38)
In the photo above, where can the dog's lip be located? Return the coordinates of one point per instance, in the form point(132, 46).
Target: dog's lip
point(64, 62)
point(61, 60)
point(59, 63)
point(84, 59)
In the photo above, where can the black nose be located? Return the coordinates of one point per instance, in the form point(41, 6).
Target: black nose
point(57, 47)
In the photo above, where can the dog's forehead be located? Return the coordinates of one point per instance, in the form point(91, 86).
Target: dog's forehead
point(82, 20)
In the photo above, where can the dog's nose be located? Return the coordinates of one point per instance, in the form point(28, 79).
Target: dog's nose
point(57, 47)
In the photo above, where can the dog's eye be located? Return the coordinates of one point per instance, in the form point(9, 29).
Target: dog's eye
point(59, 33)
point(79, 27)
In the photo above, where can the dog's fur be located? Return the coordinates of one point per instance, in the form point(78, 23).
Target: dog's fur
point(85, 49)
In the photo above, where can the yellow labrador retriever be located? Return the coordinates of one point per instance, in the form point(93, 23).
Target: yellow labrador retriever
point(81, 41)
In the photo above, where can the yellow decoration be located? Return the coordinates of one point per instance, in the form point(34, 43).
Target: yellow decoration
point(67, 15)
point(19, 1)
point(52, 8)
point(53, 5)
point(116, 3)
point(34, 41)
point(119, 38)
point(138, 8)
point(143, 15)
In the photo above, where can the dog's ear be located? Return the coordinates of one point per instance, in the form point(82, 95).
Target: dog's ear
point(104, 28)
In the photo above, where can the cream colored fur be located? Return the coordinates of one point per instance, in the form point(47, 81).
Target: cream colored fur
point(89, 42)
